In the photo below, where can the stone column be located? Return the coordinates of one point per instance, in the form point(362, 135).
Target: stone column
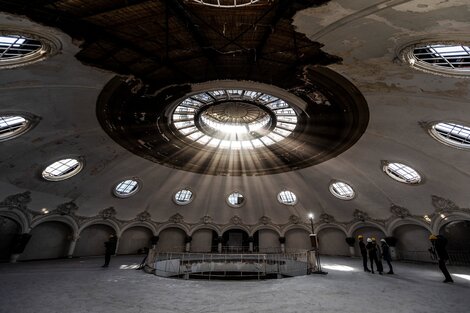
point(188, 240)
point(250, 244)
point(72, 244)
point(352, 251)
point(21, 240)
point(219, 244)
point(117, 245)
point(282, 241)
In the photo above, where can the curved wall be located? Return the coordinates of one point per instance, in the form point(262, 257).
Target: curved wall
point(332, 241)
point(92, 239)
point(49, 240)
point(133, 239)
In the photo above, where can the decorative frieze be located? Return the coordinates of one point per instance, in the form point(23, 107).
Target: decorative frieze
point(177, 219)
point(326, 218)
point(236, 220)
point(68, 208)
point(399, 211)
point(360, 215)
point(144, 216)
point(19, 200)
point(107, 213)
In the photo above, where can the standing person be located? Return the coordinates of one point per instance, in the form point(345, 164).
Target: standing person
point(110, 246)
point(374, 252)
point(438, 248)
point(386, 255)
point(362, 247)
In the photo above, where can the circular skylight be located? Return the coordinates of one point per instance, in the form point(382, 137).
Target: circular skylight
point(12, 126)
point(287, 197)
point(183, 196)
point(226, 3)
point(234, 119)
point(402, 173)
point(126, 188)
point(440, 58)
point(342, 190)
point(451, 134)
point(19, 48)
point(236, 199)
point(62, 169)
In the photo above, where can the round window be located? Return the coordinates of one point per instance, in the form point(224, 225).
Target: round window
point(126, 188)
point(236, 199)
point(62, 169)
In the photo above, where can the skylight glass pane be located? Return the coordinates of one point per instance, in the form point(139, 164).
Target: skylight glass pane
point(62, 169)
point(282, 132)
point(127, 187)
point(214, 142)
point(188, 130)
point(196, 135)
point(183, 196)
point(342, 190)
point(11, 125)
point(455, 57)
point(202, 97)
point(403, 173)
point(453, 133)
point(257, 143)
point(179, 117)
point(236, 199)
point(286, 125)
point(288, 111)
point(185, 124)
point(275, 137)
point(203, 140)
point(287, 197)
point(15, 46)
point(267, 141)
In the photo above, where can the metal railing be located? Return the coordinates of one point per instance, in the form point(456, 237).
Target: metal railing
point(229, 266)
point(456, 257)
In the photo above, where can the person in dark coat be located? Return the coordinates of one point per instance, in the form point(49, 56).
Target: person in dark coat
point(110, 247)
point(386, 255)
point(374, 255)
point(362, 247)
point(438, 249)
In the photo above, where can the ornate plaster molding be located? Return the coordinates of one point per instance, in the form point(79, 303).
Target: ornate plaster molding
point(19, 200)
point(399, 211)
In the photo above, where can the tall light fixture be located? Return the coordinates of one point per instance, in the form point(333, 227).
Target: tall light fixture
point(315, 251)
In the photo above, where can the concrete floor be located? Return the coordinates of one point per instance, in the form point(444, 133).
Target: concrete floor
point(81, 285)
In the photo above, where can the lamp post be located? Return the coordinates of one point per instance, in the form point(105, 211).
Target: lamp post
point(315, 252)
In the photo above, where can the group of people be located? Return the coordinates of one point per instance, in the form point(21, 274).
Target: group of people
point(375, 254)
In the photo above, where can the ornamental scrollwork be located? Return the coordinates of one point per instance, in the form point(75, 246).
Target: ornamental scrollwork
point(19, 200)
point(107, 213)
point(144, 216)
point(399, 211)
point(360, 215)
point(177, 218)
point(68, 208)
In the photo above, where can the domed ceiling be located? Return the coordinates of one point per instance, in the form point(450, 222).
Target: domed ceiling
point(118, 89)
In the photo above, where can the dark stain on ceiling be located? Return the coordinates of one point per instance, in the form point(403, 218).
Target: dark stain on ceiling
point(167, 42)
